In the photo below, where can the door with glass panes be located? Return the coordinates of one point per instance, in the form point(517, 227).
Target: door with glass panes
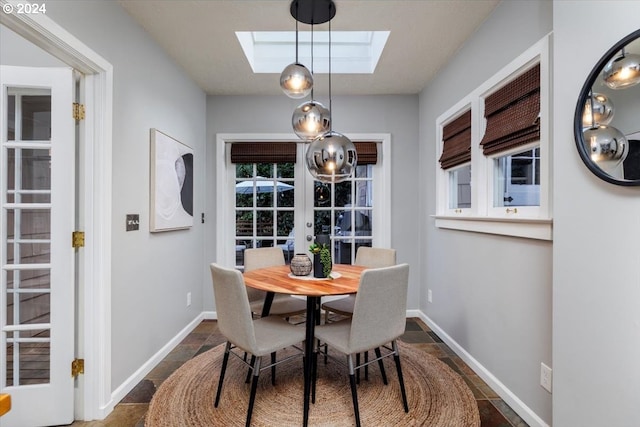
point(37, 217)
point(278, 203)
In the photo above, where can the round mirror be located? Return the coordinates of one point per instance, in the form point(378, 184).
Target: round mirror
point(607, 119)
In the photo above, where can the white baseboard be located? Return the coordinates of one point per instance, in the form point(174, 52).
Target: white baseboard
point(501, 390)
point(128, 385)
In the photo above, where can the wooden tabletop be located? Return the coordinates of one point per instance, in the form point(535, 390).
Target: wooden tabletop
point(279, 279)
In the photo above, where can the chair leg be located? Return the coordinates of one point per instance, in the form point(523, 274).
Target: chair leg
point(253, 360)
point(314, 375)
point(326, 347)
point(358, 371)
point(354, 393)
point(381, 364)
point(254, 388)
point(366, 366)
point(396, 357)
point(273, 368)
point(225, 359)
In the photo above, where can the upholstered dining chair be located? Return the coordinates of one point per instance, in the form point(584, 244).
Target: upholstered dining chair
point(379, 319)
point(258, 337)
point(368, 257)
point(282, 305)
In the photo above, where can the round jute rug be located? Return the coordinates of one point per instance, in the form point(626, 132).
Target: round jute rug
point(437, 396)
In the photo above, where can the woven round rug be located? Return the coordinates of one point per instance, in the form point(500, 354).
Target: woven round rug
point(437, 396)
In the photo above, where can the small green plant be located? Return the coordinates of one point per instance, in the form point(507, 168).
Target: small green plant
point(325, 257)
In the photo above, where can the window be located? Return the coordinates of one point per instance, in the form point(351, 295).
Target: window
point(500, 182)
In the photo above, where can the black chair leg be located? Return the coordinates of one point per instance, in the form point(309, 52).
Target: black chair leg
point(358, 371)
point(381, 364)
point(273, 368)
point(396, 357)
point(253, 360)
point(354, 396)
point(225, 359)
point(254, 388)
point(366, 366)
point(314, 375)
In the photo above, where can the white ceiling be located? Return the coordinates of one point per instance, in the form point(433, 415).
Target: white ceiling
point(200, 37)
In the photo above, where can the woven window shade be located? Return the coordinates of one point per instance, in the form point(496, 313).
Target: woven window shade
point(367, 153)
point(456, 137)
point(263, 152)
point(513, 114)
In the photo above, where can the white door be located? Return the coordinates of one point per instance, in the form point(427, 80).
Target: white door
point(37, 186)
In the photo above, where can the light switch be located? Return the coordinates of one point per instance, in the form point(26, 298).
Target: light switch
point(133, 222)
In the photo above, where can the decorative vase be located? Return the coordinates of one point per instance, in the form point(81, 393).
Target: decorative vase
point(300, 265)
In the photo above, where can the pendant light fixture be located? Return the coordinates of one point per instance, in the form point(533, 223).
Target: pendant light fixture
point(622, 71)
point(607, 145)
point(331, 157)
point(296, 80)
point(310, 119)
point(598, 110)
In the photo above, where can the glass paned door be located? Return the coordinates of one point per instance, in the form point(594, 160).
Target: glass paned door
point(37, 154)
point(344, 211)
point(264, 207)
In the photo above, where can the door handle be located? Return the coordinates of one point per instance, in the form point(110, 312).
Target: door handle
point(309, 237)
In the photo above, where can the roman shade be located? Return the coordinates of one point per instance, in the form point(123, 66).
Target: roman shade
point(456, 142)
point(513, 114)
point(263, 152)
point(367, 153)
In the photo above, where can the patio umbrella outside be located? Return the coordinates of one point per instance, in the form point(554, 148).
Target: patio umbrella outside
point(263, 185)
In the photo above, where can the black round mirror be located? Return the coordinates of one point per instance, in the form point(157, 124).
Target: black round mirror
point(607, 118)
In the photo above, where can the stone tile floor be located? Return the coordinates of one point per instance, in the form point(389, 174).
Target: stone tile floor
point(130, 412)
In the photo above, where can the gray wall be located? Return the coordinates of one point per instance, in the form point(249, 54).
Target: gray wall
point(497, 307)
point(151, 273)
point(596, 254)
point(396, 115)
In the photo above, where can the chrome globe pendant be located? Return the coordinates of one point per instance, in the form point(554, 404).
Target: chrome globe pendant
point(623, 71)
point(331, 157)
point(598, 110)
point(607, 145)
point(296, 80)
point(310, 120)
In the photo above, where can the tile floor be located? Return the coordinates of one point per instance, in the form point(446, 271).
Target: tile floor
point(130, 412)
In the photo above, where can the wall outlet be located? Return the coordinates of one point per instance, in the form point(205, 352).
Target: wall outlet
point(429, 295)
point(545, 377)
point(188, 299)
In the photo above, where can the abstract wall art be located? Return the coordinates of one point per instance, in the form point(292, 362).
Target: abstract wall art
point(171, 192)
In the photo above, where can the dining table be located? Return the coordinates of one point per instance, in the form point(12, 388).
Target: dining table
point(344, 279)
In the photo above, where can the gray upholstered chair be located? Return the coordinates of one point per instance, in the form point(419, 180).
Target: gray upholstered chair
point(258, 337)
point(368, 257)
point(379, 319)
point(282, 305)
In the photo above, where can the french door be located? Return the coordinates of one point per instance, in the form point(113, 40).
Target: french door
point(278, 203)
point(37, 186)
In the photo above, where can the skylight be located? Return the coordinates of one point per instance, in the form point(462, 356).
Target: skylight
point(352, 52)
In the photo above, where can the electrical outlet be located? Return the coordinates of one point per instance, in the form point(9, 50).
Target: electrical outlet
point(188, 299)
point(545, 377)
point(429, 295)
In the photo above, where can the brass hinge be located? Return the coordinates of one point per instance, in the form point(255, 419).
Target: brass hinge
point(77, 239)
point(78, 111)
point(77, 367)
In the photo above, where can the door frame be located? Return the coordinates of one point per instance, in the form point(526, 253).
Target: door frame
point(225, 210)
point(93, 397)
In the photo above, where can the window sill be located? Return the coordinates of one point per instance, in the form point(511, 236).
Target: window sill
point(528, 228)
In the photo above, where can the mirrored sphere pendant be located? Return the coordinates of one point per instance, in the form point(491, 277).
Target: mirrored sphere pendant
point(332, 157)
point(622, 72)
point(311, 120)
point(607, 145)
point(296, 81)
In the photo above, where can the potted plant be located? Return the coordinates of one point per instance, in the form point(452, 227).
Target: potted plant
point(321, 260)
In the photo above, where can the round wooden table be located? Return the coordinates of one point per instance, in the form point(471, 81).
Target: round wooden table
point(279, 279)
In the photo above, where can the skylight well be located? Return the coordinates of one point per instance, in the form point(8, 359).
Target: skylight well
point(352, 52)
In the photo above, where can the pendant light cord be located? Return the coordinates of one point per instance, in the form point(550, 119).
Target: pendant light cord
point(330, 104)
point(312, 59)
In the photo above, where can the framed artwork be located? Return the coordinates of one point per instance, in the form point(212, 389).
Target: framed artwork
point(171, 192)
